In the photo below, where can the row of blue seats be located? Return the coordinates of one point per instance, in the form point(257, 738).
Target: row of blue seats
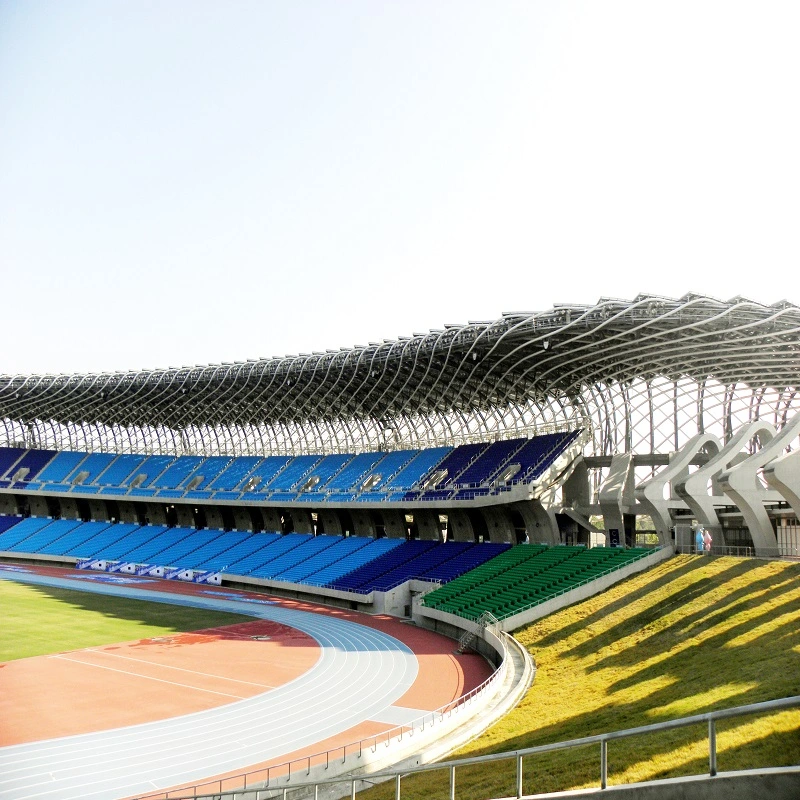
point(354, 563)
point(464, 472)
point(529, 457)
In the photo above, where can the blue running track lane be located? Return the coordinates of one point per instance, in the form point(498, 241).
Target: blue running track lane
point(361, 672)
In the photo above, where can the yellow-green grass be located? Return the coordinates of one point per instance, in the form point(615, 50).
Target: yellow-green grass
point(691, 635)
point(37, 620)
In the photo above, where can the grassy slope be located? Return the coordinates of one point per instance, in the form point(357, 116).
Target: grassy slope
point(691, 635)
point(36, 620)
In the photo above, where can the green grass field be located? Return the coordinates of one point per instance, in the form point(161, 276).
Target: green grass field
point(38, 620)
point(691, 635)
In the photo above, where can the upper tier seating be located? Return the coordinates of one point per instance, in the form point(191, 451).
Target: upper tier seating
point(235, 473)
point(60, 466)
point(27, 468)
point(88, 471)
point(151, 468)
point(416, 469)
point(435, 474)
point(323, 472)
point(296, 469)
point(119, 470)
point(177, 472)
point(8, 457)
point(488, 463)
point(206, 472)
point(262, 476)
point(353, 473)
point(389, 466)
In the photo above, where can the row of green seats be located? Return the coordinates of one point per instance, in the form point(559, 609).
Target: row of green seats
point(525, 576)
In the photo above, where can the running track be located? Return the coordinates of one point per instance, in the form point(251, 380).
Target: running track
point(327, 700)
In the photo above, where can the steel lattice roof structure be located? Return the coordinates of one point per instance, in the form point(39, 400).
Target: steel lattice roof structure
point(643, 375)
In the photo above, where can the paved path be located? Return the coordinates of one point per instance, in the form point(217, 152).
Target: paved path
point(361, 672)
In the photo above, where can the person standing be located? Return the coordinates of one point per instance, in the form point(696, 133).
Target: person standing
point(699, 539)
point(707, 542)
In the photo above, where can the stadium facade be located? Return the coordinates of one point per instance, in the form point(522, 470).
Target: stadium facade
point(676, 411)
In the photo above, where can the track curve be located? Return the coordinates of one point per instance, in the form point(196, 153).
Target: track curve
point(330, 698)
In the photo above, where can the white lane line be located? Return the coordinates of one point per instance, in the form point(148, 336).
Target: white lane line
point(146, 677)
point(181, 669)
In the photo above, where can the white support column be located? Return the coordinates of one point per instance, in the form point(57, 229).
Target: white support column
point(616, 491)
point(742, 485)
point(783, 475)
point(651, 493)
point(694, 490)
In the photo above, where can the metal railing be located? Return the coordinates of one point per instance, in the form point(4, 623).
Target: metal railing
point(709, 719)
point(739, 551)
point(283, 772)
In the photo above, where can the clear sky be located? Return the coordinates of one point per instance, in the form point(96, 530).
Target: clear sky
point(194, 182)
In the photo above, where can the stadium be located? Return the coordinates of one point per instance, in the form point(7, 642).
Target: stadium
point(461, 484)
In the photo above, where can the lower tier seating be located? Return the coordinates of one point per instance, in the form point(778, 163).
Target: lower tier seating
point(525, 576)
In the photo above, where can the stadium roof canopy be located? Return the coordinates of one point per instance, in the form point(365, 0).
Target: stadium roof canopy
point(573, 364)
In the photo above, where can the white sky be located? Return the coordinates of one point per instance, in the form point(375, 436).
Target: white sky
point(193, 182)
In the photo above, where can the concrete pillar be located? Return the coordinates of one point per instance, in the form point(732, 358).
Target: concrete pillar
point(272, 519)
point(331, 523)
point(741, 484)
point(783, 475)
point(156, 514)
point(363, 523)
point(69, 508)
point(127, 512)
point(459, 526)
point(38, 506)
point(8, 504)
point(427, 523)
point(576, 491)
point(540, 524)
point(616, 492)
point(242, 521)
point(98, 510)
point(394, 523)
point(185, 516)
point(498, 524)
point(302, 520)
point(694, 489)
point(214, 517)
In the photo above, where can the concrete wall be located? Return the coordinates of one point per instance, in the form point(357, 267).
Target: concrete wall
point(127, 513)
